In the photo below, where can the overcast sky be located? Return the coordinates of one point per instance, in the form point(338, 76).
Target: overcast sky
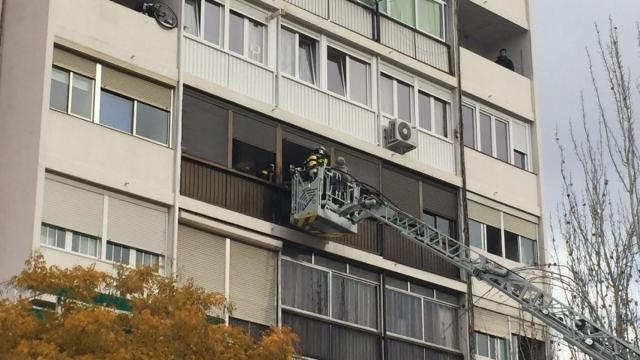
point(562, 30)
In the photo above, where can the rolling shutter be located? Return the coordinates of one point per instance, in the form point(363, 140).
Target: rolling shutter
point(521, 227)
point(484, 214)
point(73, 62)
point(137, 226)
point(201, 257)
point(137, 88)
point(440, 199)
point(491, 323)
point(252, 283)
point(72, 208)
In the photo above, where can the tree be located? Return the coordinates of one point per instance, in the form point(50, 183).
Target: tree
point(597, 227)
point(134, 314)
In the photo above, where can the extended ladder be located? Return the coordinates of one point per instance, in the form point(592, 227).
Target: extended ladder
point(334, 192)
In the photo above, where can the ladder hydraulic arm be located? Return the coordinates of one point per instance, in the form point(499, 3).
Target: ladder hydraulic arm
point(338, 193)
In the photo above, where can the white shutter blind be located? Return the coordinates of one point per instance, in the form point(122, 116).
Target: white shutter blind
point(484, 214)
point(201, 257)
point(491, 323)
point(521, 227)
point(72, 208)
point(519, 137)
point(252, 283)
point(137, 226)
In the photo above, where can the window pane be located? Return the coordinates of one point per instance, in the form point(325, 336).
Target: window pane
point(152, 123)
point(503, 349)
point(354, 301)
point(59, 96)
point(330, 263)
point(475, 234)
point(82, 96)
point(305, 288)
point(502, 140)
point(116, 111)
point(287, 54)
point(443, 225)
point(424, 110)
point(212, 16)
point(405, 96)
point(52, 236)
point(403, 10)
point(469, 124)
point(429, 219)
point(482, 344)
point(295, 150)
point(423, 290)
point(404, 314)
point(440, 114)
point(84, 245)
point(430, 17)
point(396, 283)
point(307, 58)
point(440, 324)
point(191, 17)
point(254, 145)
point(493, 351)
point(494, 240)
point(528, 251)
point(257, 41)
point(204, 129)
point(359, 81)
point(336, 63)
point(520, 159)
point(363, 273)
point(511, 246)
point(486, 138)
point(236, 33)
point(386, 95)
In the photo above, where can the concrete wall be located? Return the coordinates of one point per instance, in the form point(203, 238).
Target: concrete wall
point(515, 11)
point(23, 94)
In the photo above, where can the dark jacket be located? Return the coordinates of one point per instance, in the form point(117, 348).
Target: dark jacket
point(505, 61)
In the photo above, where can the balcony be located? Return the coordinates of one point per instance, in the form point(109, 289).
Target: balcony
point(106, 27)
point(515, 11)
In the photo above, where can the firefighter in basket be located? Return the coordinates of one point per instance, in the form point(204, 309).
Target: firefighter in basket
point(319, 157)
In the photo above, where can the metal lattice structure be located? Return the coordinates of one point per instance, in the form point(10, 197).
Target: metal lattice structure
point(338, 197)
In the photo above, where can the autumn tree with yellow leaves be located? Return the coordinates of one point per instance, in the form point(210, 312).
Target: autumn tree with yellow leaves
point(134, 314)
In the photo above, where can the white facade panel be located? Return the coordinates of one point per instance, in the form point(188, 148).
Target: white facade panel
point(304, 100)
point(351, 16)
point(251, 79)
point(205, 61)
point(352, 119)
point(318, 7)
point(436, 152)
point(397, 36)
point(432, 52)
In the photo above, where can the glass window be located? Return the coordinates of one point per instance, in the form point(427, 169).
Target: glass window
point(336, 68)
point(236, 33)
point(528, 251)
point(396, 283)
point(295, 150)
point(405, 101)
point(520, 159)
point(469, 126)
point(503, 349)
point(486, 138)
point(257, 40)
point(85, 244)
point(152, 123)
point(358, 81)
point(386, 95)
point(144, 258)
point(59, 95)
point(363, 273)
point(494, 240)
point(424, 111)
point(354, 301)
point(482, 344)
point(403, 10)
point(475, 234)
point(52, 236)
point(511, 246)
point(82, 96)
point(254, 146)
point(117, 253)
point(440, 117)
point(443, 225)
point(212, 21)
point(422, 290)
point(440, 324)
point(116, 111)
point(192, 17)
point(307, 58)
point(430, 17)
point(502, 140)
point(297, 253)
point(297, 280)
point(403, 315)
point(204, 129)
point(330, 263)
point(287, 52)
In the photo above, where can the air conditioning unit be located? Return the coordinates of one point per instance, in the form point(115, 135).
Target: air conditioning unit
point(400, 136)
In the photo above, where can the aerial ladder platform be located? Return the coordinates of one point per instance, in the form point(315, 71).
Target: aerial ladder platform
point(330, 202)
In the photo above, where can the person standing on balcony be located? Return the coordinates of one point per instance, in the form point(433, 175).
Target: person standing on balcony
point(504, 60)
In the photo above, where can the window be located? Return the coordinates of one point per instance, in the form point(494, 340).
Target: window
point(295, 150)
point(491, 347)
point(511, 246)
point(71, 92)
point(433, 114)
point(144, 258)
point(152, 123)
point(298, 55)
point(476, 234)
point(494, 240)
point(502, 140)
point(520, 143)
point(247, 37)
point(469, 124)
point(347, 76)
point(85, 244)
point(524, 348)
point(397, 98)
point(117, 253)
point(519, 248)
point(212, 22)
point(528, 251)
point(402, 10)
point(192, 17)
point(486, 136)
point(425, 15)
point(520, 159)
point(116, 111)
point(204, 128)
point(441, 224)
point(254, 145)
point(52, 236)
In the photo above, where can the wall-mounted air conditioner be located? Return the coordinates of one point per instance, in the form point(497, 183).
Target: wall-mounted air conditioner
point(400, 136)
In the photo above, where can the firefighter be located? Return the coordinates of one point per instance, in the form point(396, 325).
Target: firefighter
point(319, 157)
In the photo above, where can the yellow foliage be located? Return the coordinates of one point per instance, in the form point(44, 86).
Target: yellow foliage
point(165, 320)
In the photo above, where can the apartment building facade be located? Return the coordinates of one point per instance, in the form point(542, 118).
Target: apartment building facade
point(124, 142)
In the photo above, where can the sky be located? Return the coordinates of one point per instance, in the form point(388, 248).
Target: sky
point(562, 31)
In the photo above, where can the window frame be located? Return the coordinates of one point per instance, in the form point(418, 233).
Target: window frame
point(432, 110)
point(247, 19)
point(413, 103)
point(297, 31)
point(67, 111)
point(349, 53)
point(483, 232)
point(496, 340)
point(201, 23)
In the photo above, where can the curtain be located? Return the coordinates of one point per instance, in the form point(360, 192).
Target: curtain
point(305, 288)
point(191, 17)
point(403, 10)
point(430, 17)
point(354, 301)
point(440, 324)
point(403, 314)
point(307, 59)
